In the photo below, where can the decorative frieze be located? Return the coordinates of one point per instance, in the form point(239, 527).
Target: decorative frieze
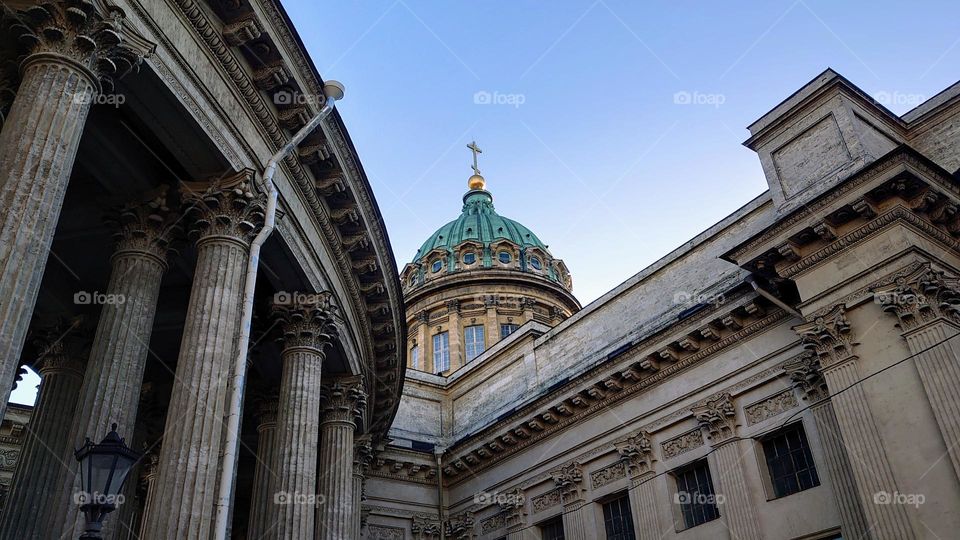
point(608, 475)
point(493, 523)
point(770, 407)
point(546, 501)
point(681, 444)
point(718, 417)
point(382, 532)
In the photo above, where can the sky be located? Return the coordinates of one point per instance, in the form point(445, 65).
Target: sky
point(611, 128)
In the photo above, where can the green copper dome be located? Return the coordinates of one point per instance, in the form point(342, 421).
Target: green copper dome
point(481, 223)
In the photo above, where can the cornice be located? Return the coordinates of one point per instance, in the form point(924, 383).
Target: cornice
point(584, 397)
point(370, 271)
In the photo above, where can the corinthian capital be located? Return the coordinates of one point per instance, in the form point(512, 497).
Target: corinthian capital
point(61, 347)
point(93, 39)
point(805, 375)
point(343, 400)
point(718, 417)
point(637, 452)
point(306, 320)
point(146, 228)
point(569, 479)
point(362, 455)
point(828, 336)
point(923, 296)
point(225, 208)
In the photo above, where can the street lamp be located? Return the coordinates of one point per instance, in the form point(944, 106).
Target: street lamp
point(103, 468)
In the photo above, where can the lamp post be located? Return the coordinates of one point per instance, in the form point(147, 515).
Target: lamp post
point(103, 469)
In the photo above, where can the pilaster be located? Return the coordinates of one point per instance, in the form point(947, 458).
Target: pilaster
point(718, 418)
point(807, 380)
point(455, 334)
point(577, 521)
point(831, 339)
point(927, 304)
point(362, 456)
point(637, 454)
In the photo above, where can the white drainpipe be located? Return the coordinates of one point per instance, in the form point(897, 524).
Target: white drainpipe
point(333, 91)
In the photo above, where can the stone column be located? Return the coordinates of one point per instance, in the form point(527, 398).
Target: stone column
point(149, 481)
point(38, 145)
point(228, 215)
point(636, 452)
point(455, 333)
point(362, 455)
point(261, 498)
point(829, 336)
point(118, 357)
point(804, 372)
point(577, 524)
point(47, 446)
point(307, 326)
point(342, 401)
point(718, 418)
point(927, 304)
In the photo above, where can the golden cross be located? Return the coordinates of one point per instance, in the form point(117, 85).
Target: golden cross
point(476, 150)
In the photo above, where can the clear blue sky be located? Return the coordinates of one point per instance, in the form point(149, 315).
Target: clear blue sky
point(587, 147)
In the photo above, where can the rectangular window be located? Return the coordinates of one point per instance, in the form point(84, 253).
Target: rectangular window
point(473, 341)
point(789, 461)
point(507, 329)
point(552, 530)
point(617, 519)
point(695, 494)
point(441, 352)
point(415, 357)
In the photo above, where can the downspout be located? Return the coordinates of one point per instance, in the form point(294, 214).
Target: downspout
point(438, 453)
point(766, 294)
point(333, 91)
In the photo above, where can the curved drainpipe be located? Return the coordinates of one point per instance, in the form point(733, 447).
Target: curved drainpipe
point(333, 91)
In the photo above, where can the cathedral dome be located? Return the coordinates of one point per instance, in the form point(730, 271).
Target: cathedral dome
point(480, 238)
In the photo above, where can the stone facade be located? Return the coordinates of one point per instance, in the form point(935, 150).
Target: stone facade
point(135, 140)
point(816, 322)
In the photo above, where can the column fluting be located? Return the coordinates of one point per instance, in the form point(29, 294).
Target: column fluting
point(342, 402)
point(227, 215)
point(261, 497)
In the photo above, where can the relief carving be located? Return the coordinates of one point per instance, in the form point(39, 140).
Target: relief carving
point(682, 443)
point(770, 407)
